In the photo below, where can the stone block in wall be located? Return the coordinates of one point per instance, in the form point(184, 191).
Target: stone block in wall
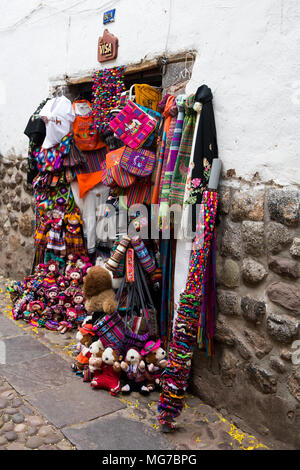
point(225, 197)
point(285, 295)
point(262, 379)
point(295, 248)
point(25, 205)
point(253, 310)
point(228, 273)
point(284, 206)
point(253, 238)
point(223, 333)
point(228, 368)
point(14, 242)
point(259, 342)
point(277, 237)
point(231, 241)
point(26, 225)
point(248, 205)
point(282, 328)
point(284, 266)
point(253, 272)
point(294, 383)
point(228, 302)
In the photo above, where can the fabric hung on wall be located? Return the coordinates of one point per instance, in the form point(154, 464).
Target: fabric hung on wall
point(184, 153)
point(173, 112)
point(94, 161)
point(36, 132)
point(59, 115)
point(174, 148)
point(166, 114)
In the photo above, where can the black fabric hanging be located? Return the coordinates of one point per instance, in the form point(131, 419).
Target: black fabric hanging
point(206, 147)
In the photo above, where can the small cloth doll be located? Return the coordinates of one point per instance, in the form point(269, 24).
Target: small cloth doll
point(56, 235)
point(155, 358)
point(52, 275)
point(74, 278)
point(74, 233)
point(134, 368)
point(35, 310)
point(85, 336)
point(107, 375)
point(69, 321)
point(78, 305)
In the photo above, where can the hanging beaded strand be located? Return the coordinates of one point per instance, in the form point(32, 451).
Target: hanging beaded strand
point(108, 85)
point(176, 374)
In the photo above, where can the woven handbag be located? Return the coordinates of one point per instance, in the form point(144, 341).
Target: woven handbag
point(111, 330)
point(140, 162)
point(132, 125)
point(158, 117)
point(115, 172)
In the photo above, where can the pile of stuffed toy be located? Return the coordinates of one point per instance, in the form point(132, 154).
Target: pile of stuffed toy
point(108, 351)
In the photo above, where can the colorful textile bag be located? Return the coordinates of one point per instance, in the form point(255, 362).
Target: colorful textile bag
point(158, 117)
point(114, 170)
point(85, 135)
point(132, 125)
point(111, 330)
point(139, 162)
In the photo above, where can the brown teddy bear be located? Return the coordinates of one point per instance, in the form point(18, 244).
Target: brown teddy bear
point(98, 292)
point(85, 337)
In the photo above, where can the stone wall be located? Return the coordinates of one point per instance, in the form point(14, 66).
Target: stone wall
point(258, 302)
point(16, 218)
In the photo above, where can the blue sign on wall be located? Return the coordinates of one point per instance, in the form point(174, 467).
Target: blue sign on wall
point(109, 16)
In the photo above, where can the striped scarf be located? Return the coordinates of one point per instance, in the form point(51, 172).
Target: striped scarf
point(174, 148)
point(184, 153)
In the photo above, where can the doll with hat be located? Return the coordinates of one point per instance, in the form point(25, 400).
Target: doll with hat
point(85, 337)
point(154, 363)
point(78, 305)
point(74, 233)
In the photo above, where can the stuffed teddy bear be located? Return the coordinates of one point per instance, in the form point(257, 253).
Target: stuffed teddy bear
point(107, 371)
point(95, 361)
point(98, 292)
point(155, 358)
point(85, 336)
point(134, 368)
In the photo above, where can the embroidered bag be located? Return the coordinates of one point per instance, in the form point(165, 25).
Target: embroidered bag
point(158, 117)
point(132, 125)
point(139, 162)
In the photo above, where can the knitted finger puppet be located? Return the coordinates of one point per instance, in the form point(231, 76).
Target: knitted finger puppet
point(155, 362)
point(74, 233)
point(134, 368)
point(84, 337)
point(107, 377)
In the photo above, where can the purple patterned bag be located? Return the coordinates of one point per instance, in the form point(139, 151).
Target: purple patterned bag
point(140, 162)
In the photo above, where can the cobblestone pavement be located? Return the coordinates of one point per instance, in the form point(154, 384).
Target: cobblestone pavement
point(44, 406)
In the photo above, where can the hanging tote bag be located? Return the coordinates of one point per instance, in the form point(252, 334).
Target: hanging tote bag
point(114, 171)
point(140, 162)
point(158, 117)
point(111, 330)
point(86, 137)
point(132, 125)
